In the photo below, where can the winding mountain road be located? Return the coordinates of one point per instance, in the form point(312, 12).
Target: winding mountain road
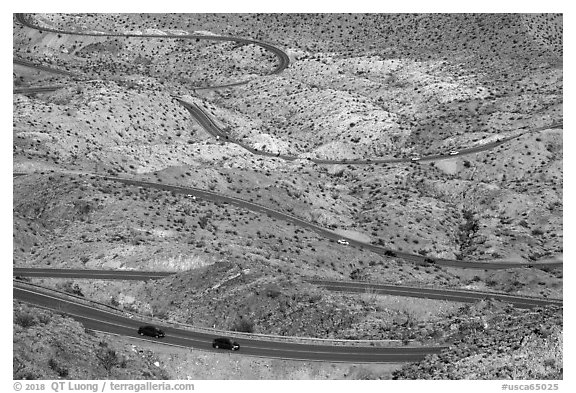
point(39, 89)
point(209, 125)
point(97, 319)
point(455, 295)
point(326, 233)
point(283, 59)
point(52, 70)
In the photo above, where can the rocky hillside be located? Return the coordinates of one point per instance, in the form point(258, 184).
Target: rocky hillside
point(50, 346)
point(497, 343)
point(358, 86)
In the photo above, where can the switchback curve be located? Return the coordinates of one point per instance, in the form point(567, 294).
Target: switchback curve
point(205, 121)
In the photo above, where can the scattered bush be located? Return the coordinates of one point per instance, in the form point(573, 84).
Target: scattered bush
point(24, 319)
point(108, 358)
point(243, 325)
point(61, 371)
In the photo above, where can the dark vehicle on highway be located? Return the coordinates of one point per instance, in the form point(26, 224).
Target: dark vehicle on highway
point(225, 343)
point(151, 331)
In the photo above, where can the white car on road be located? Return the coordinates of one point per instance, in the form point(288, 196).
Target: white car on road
point(453, 152)
point(343, 242)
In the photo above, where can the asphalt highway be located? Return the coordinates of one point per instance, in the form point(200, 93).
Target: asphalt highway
point(101, 320)
point(255, 207)
point(98, 319)
point(90, 274)
point(283, 59)
point(455, 295)
point(464, 296)
point(52, 70)
point(39, 89)
point(210, 127)
point(326, 233)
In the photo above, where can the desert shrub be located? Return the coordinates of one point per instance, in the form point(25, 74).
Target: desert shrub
point(161, 313)
point(74, 289)
point(83, 207)
point(356, 274)
point(243, 325)
point(467, 230)
point(203, 221)
point(24, 319)
point(20, 371)
point(273, 293)
point(43, 318)
point(61, 371)
point(108, 358)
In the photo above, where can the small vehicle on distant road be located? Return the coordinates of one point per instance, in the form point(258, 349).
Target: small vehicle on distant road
point(415, 158)
point(225, 343)
point(453, 152)
point(343, 242)
point(151, 331)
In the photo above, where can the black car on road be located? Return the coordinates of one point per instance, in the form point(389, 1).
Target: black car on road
point(151, 331)
point(225, 343)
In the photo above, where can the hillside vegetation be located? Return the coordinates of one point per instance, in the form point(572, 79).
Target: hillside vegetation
point(359, 86)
